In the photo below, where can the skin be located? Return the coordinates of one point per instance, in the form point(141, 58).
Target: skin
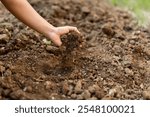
point(22, 10)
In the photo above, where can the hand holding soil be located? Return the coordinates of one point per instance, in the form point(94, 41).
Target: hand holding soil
point(59, 31)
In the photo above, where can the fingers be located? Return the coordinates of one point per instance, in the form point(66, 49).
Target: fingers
point(56, 39)
point(66, 29)
point(62, 30)
point(71, 28)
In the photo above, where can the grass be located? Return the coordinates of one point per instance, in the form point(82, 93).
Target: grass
point(140, 8)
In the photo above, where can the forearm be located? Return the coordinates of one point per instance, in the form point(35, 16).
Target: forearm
point(25, 13)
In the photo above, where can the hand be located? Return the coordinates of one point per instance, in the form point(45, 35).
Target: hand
point(58, 31)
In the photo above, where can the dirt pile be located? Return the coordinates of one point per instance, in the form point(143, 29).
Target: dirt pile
point(110, 61)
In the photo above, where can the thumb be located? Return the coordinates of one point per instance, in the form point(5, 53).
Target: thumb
point(56, 39)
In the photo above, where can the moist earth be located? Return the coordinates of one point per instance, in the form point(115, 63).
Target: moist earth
point(110, 59)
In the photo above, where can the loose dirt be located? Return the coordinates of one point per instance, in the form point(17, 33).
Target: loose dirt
point(110, 60)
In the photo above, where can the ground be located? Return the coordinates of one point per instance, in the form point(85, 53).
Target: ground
point(110, 60)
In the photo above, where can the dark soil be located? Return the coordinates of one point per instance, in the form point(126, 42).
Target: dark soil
point(111, 60)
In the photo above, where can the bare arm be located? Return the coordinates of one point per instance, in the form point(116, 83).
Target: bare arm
point(25, 13)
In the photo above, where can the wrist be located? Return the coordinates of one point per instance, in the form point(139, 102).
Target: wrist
point(49, 31)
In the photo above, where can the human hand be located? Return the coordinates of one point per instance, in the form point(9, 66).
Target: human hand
point(55, 34)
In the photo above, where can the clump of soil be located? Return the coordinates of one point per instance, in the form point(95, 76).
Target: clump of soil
point(110, 61)
point(72, 45)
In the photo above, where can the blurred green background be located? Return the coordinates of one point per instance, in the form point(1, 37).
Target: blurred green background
point(141, 9)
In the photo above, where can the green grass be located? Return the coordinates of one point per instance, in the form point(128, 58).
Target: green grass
point(139, 8)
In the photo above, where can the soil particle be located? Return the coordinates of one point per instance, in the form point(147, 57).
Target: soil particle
point(65, 88)
point(28, 89)
point(4, 38)
point(73, 96)
point(78, 87)
point(86, 94)
point(53, 50)
point(2, 69)
point(99, 94)
point(79, 97)
point(116, 91)
point(129, 72)
point(146, 94)
point(85, 10)
point(48, 85)
point(91, 89)
point(107, 29)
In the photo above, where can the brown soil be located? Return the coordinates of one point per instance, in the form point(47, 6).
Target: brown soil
point(111, 60)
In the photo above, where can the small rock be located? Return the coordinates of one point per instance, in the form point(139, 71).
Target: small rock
point(91, 89)
point(79, 97)
point(4, 37)
point(86, 94)
point(117, 49)
point(73, 96)
point(78, 87)
point(51, 48)
point(146, 94)
point(142, 86)
point(127, 60)
point(2, 69)
point(85, 10)
point(67, 7)
point(8, 73)
point(45, 41)
point(129, 72)
point(112, 92)
point(108, 30)
point(29, 89)
point(116, 91)
point(99, 94)
point(65, 88)
point(70, 90)
point(132, 42)
point(48, 85)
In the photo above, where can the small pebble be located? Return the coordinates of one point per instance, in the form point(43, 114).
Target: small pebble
point(2, 69)
point(129, 72)
point(99, 94)
point(73, 96)
point(86, 94)
point(65, 88)
point(4, 37)
point(108, 30)
point(146, 95)
point(51, 48)
point(78, 87)
point(29, 89)
point(85, 10)
point(79, 97)
point(91, 89)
